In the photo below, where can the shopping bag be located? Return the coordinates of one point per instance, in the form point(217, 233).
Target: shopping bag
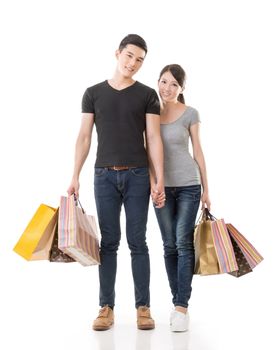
point(36, 240)
point(243, 265)
point(223, 246)
point(206, 262)
point(57, 255)
point(77, 234)
point(252, 256)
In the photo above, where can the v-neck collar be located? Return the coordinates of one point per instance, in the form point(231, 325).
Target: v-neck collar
point(121, 90)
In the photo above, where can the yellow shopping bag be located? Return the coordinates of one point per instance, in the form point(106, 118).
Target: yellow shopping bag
point(35, 242)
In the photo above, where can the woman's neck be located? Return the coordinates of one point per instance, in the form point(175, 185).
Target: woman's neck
point(169, 107)
point(171, 111)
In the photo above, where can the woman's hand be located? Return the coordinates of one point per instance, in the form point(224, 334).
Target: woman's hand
point(158, 196)
point(205, 199)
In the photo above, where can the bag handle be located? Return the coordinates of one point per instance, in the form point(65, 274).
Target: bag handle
point(77, 201)
point(205, 215)
point(208, 215)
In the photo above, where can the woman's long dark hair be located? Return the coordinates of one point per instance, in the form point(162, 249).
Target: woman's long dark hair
point(179, 74)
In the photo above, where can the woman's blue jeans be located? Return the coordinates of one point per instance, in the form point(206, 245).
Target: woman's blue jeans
point(113, 189)
point(176, 221)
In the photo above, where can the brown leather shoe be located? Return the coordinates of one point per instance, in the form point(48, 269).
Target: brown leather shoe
point(144, 320)
point(105, 319)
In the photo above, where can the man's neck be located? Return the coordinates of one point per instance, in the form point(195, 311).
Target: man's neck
point(118, 81)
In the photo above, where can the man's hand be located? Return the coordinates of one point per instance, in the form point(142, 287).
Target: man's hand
point(158, 196)
point(74, 188)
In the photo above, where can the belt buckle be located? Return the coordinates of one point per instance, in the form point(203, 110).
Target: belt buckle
point(120, 168)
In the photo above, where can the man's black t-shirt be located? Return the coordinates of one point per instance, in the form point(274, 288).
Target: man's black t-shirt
point(119, 116)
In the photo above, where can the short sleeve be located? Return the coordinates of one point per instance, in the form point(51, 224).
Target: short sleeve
point(153, 103)
point(87, 103)
point(194, 117)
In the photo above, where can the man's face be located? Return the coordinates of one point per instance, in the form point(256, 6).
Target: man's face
point(130, 60)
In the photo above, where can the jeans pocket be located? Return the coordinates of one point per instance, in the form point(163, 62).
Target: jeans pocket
point(189, 193)
point(141, 172)
point(197, 194)
point(99, 171)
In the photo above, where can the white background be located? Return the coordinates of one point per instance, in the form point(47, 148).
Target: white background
point(51, 52)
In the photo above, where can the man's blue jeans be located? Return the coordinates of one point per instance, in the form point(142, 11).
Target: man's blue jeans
point(177, 220)
point(131, 188)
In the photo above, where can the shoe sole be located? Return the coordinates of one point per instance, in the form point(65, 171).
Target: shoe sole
point(102, 328)
point(178, 329)
point(145, 328)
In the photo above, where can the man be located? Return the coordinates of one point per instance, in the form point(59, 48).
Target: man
point(124, 111)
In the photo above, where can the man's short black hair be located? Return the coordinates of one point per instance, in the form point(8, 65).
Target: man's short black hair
point(133, 39)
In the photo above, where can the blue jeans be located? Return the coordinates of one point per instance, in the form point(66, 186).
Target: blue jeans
point(131, 188)
point(176, 221)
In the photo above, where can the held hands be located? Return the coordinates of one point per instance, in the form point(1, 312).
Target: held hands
point(158, 196)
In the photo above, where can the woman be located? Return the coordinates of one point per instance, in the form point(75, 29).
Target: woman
point(184, 176)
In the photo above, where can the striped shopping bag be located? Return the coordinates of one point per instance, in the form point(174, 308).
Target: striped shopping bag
point(57, 255)
point(223, 247)
point(77, 234)
point(252, 256)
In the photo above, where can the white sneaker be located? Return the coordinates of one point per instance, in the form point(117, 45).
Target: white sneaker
point(179, 322)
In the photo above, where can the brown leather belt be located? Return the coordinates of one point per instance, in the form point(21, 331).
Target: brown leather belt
point(120, 167)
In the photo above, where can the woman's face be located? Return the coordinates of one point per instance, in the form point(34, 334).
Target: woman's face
point(169, 88)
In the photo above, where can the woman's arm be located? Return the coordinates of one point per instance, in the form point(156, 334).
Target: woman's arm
point(199, 158)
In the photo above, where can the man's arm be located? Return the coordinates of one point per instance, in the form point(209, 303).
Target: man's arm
point(81, 150)
point(155, 154)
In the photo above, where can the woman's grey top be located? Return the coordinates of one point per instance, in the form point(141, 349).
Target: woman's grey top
point(180, 169)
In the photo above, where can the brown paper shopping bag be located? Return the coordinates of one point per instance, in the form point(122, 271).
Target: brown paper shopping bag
point(206, 261)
